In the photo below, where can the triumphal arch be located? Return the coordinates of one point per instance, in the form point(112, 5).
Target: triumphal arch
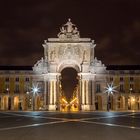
point(68, 71)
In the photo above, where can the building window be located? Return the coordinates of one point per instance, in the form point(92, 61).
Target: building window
point(17, 89)
point(17, 79)
point(131, 79)
point(27, 79)
point(98, 88)
point(7, 79)
point(121, 88)
point(121, 79)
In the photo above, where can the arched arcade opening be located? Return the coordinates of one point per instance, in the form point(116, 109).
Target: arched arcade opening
point(69, 90)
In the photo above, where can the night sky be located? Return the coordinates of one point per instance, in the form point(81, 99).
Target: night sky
point(113, 24)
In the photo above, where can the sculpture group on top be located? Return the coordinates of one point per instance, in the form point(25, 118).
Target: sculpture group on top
point(68, 31)
point(69, 53)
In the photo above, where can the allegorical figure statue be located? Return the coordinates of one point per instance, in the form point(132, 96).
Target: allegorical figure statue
point(76, 32)
point(68, 30)
point(52, 55)
point(84, 55)
point(69, 25)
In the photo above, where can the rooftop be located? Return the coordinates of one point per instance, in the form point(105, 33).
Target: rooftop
point(15, 67)
point(123, 67)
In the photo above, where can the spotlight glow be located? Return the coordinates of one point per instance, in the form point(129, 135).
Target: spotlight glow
point(35, 89)
point(110, 88)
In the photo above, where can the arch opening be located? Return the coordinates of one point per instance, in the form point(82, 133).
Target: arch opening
point(69, 100)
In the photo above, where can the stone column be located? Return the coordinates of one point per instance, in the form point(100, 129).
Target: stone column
point(52, 91)
point(93, 94)
point(45, 94)
point(123, 103)
point(83, 92)
point(85, 95)
point(58, 94)
point(80, 93)
point(2, 103)
point(52, 97)
point(87, 92)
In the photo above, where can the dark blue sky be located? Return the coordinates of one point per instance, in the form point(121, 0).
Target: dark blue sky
point(113, 24)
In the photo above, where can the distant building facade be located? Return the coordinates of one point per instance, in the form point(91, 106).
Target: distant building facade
point(67, 52)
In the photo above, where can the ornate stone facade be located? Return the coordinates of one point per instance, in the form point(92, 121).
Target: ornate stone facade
point(69, 50)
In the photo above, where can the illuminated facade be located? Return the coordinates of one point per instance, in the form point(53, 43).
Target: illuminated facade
point(69, 52)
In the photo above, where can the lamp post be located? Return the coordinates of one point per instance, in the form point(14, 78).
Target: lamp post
point(130, 97)
point(34, 90)
point(9, 102)
point(109, 89)
point(108, 98)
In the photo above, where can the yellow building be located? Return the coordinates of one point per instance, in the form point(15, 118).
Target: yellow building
point(16, 83)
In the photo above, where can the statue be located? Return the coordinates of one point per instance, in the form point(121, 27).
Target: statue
point(76, 32)
point(68, 30)
point(62, 32)
point(69, 25)
point(84, 55)
point(42, 59)
point(52, 55)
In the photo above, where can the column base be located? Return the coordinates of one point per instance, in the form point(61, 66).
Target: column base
point(86, 107)
point(52, 107)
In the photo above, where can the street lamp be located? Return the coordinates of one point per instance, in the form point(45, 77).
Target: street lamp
point(9, 99)
point(131, 99)
point(109, 89)
point(34, 90)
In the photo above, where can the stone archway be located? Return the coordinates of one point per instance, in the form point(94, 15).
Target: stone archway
point(5, 102)
point(110, 102)
point(68, 64)
point(120, 102)
point(17, 104)
point(69, 94)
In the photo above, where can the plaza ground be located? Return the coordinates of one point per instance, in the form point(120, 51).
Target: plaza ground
point(69, 126)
